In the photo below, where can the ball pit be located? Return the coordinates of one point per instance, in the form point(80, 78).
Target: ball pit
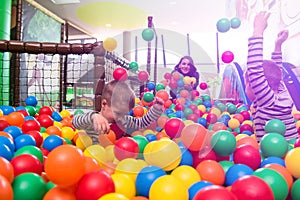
point(198, 148)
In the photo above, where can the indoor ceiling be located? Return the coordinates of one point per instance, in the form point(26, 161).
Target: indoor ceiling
point(102, 19)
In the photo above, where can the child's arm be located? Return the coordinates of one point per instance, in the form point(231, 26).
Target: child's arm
point(83, 121)
point(258, 82)
point(152, 115)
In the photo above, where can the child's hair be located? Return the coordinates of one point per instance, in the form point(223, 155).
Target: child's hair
point(272, 73)
point(118, 93)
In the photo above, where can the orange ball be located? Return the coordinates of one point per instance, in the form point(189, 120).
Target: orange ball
point(247, 140)
point(90, 164)
point(64, 165)
point(15, 119)
point(212, 171)
point(59, 193)
point(139, 198)
point(194, 136)
point(219, 126)
point(6, 169)
point(2, 133)
point(138, 111)
point(6, 191)
point(53, 130)
point(167, 103)
point(111, 136)
point(163, 94)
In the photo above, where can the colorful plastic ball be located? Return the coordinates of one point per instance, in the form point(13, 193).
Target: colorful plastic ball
point(251, 187)
point(109, 44)
point(151, 85)
point(94, 185)
point(292, 162)
point(7, 109)
point(46, 110)
point(65, 165)
point(143, 76)
point(235, 22)
point(3, 124)
point(226, 164)
point(211, 118)
point(248, 155)
point(76, 112)
point(186, 157)
point(271, 140)
point(57, 116)
point(211, 171)
point(159, 87)
point(6, 169)
point(173, 127)
point(126, 147)
point(214, 192)
point(203, 86)
point(31, 101)
point(196, 187)
point(223, 25)
point(59, 193)
point(148, 97)
point(120, 74)
point(194, 136)
point(24, 140)
point(151, 137)
point(6, 191)
point(133, 66)
point(272, 160)
point(227, 57)
point(6, 152)
point(295, 190)
point(124, 185)
point(237, 171)
point(14, 131)
point(142, 142)
point(186, 174)
point(51, 142)
point(275, 126)
point(29, 185)
point(202, 121)
point(45, 120)
point(8, 141)
point(283, 171)
point(275, 180)
point(146, 177)
point(167, 187)
point(148, 34)
point(15, 119)
point(223, 143)
point(163, 94)
point(26, 163)
point(113, 196)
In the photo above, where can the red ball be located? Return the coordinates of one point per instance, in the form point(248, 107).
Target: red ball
point(193, 117)
point(26, 163)
point(45, 120)
point(251, 187)
point(120, 74)
point(46, 110)
point(126, 147)
point(245, 114)
point(173, 127)
point(203, 86)
point(3, 124)
point(143, 76)
point(239, 117)
point(24, 112)
point(247, 155)
point(30, 125)
point(214, 192)
point(195, 93)
point(205, 153)
point(246, 127)
point(211, 118)
point(37, 137)
point(94, 185)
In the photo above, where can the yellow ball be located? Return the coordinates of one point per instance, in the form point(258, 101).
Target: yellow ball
point(186, 122)
point(97, 152)
point(233, 123)
point(241, 135)
point(292, 160)
point(109, 152)
point(168, 187)
point(58, 124)
point(1, 113)
point(130, 167)
point(202, 108)
point(109, 44)
point(44, 135)
point(248, 122)
point(113, 196)
point(298, 124)
point(124, 185)
point(83, 141)
point(65, 113)
point(148, 131)
point(67, 132)
point(187, 175)
point(215, 111)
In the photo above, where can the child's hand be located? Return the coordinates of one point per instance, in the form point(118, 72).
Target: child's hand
point(158, 103)
point(100, 123)
point(282, 37)
point(260, 23)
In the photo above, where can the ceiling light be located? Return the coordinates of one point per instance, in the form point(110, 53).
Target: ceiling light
point(108, 25)
point(65, 1)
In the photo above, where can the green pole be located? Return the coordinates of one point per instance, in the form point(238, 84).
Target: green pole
point(5, 16)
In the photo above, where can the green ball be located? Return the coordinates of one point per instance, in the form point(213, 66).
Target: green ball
point(199, 101)
point(231, 108)
point(275, 126)
point(32, 150)
point(148, 34)
point(221, 107)
point(133, 66)
point(295, 190)
point(226, 164)
point(31, 110)
point(206, 97)
point(29, 186)
point(159, 86)
point(148, 97)
point(223, 143)
point(275, 180)
point(187, 112)
point(43, 129)
point(142, 142)
point(78, 112)
point(273, 144)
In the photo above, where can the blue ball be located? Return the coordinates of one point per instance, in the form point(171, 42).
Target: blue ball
point(29, 118)
point(151, 137)
point(151, 85)
point(202, 121)
point(146, 177)
point(236, 171)
point(51, 142)
point(5, 152)
point(186, 157)
point(56, 116)
point(148, 34)
point(207, 104)
point(7, 109)
point(272, 160)
point(223, 25)
point(179, 114)
point(31, 101)
point(196, 187)
point(24, 140)
point(14, 131)
point(235, 22)
point(8, 142)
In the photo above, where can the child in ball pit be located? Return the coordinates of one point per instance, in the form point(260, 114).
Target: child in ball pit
point(264, 85)
point(117, 100)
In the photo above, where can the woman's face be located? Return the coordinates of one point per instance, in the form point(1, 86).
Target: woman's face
point(184, 66)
